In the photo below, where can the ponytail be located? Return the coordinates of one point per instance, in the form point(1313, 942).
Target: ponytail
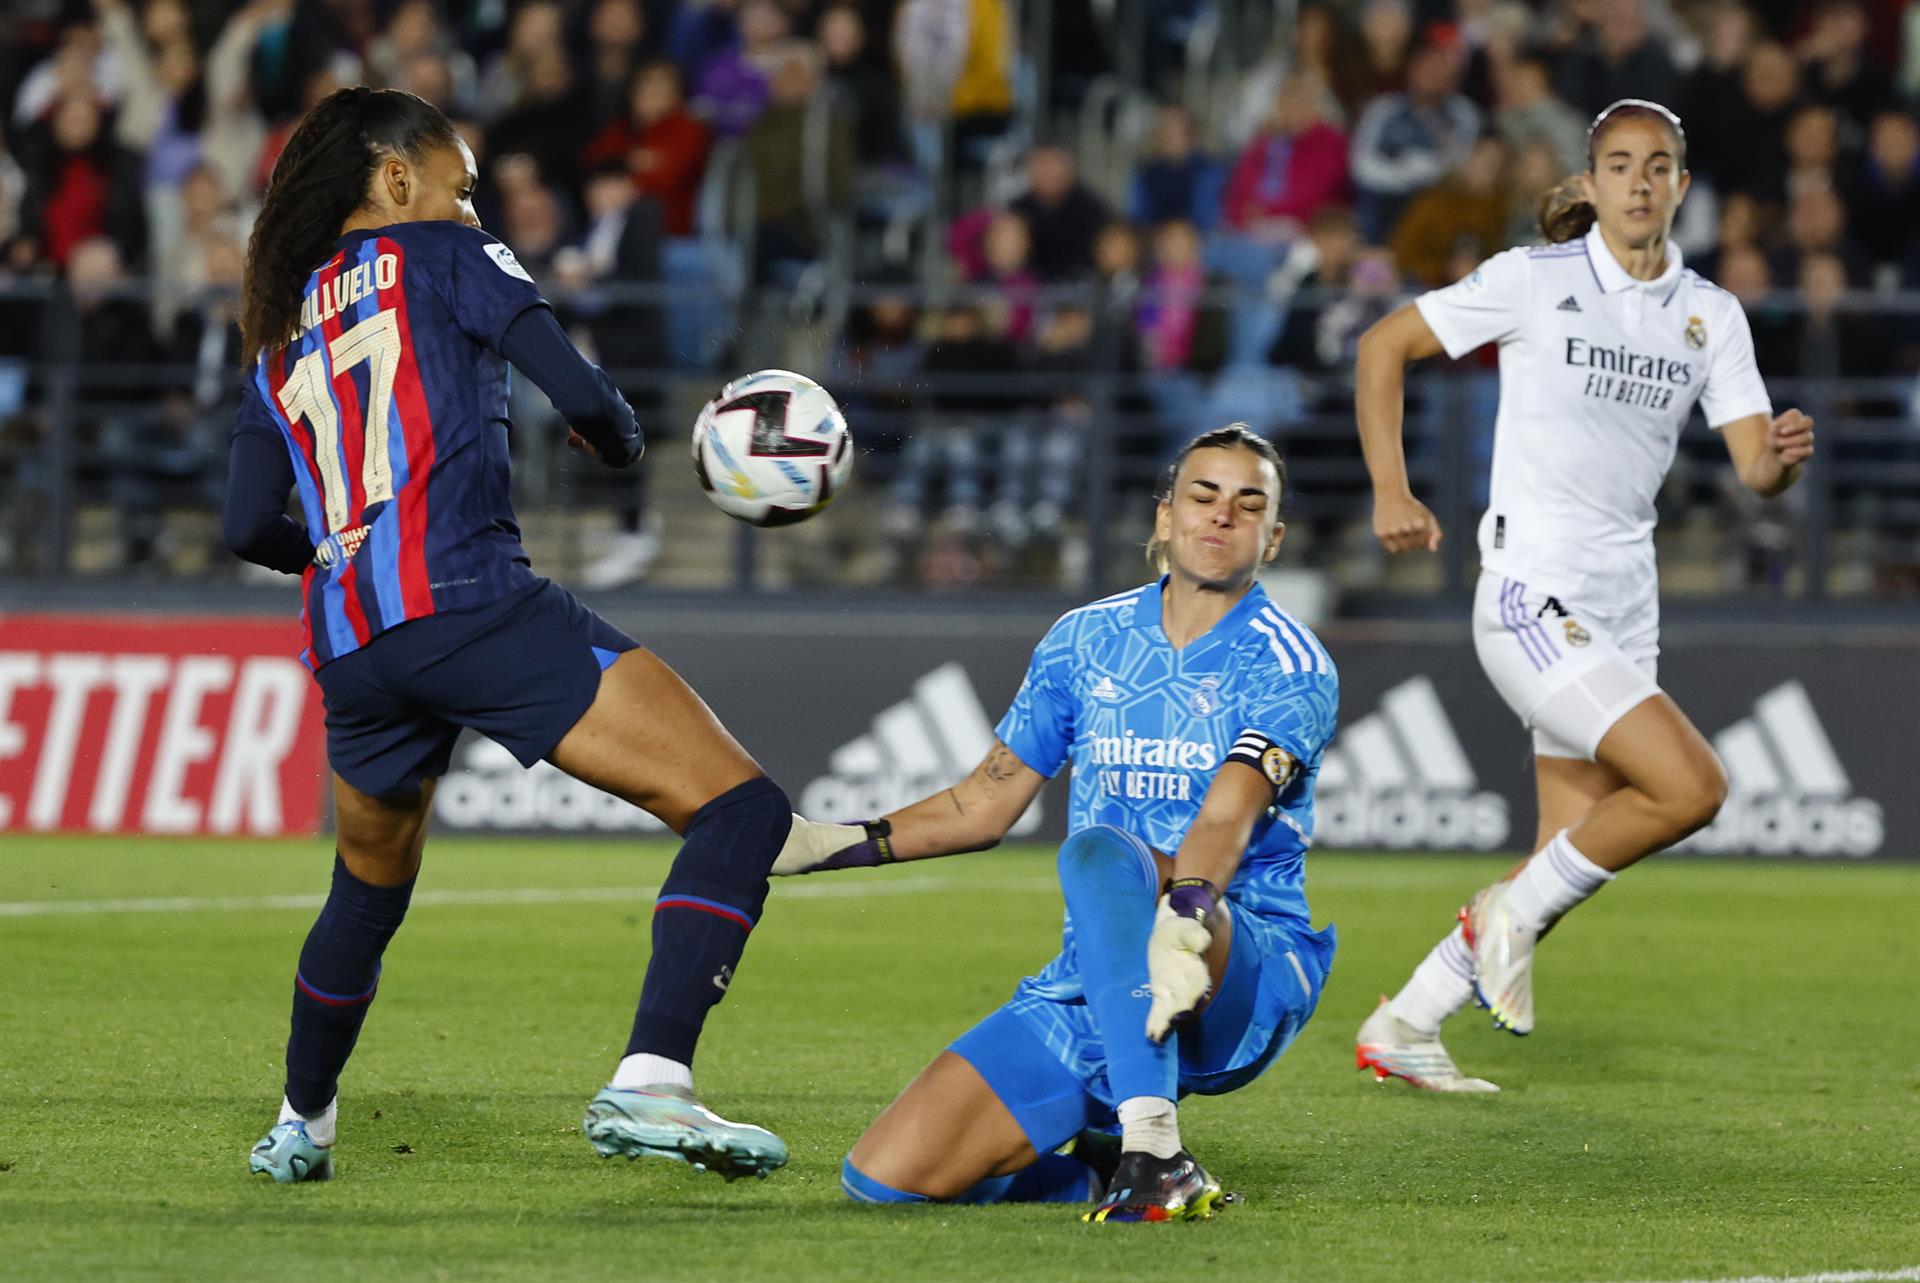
point(319, 181)
point(1565, 212)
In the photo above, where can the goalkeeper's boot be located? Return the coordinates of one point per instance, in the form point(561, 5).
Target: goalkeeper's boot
point(1149, 1189)
point(668, 1122)
point(1392, 1048)
point(1502, 959)
point(1100, 1151)
point(288, 1155)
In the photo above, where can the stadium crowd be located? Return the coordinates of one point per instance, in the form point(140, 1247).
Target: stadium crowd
point(1220, 239)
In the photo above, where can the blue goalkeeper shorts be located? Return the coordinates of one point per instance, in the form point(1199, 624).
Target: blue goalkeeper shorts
point(1043, 1057)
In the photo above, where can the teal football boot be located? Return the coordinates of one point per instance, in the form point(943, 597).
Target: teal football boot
point(289, 1155)
point(668, 1122)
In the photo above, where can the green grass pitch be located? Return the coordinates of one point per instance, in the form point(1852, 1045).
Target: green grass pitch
point(1725, 1080)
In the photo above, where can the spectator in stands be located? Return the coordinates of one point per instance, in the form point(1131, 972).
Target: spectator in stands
point(793, 188)
point(533, 222)
point(1838, 71)
point(293, 45)
point(1176, 179)
point(416, 53)
point(1179, 330)
point(79, 66)
point(864, 83)
point(1812, 143)
point(1386, 40)
point(1408, 141)
point(1711, 105)
point(1817, 224)
point(1116, 262)
point(1741, 225)
point(1886, 206)
point(162, 100)
point(1615, 57)
point(551, 121)
point(235, 132)
point(205, 224)
point(1324, 49)
point(616, 44)
point(1534, 172)
point(319, 84)
point(1294, 167)
point(537, 30)
point(661, 144)
point(734, 86)
point(948, 450)
point(956, 67)
point(81, 185)
point(1467, 212)
point(700, 31)
point(1062, 213)
point(1769, 87)
point(1527, 111)
point(1007, 248)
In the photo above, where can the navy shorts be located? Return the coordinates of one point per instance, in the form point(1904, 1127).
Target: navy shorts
point(521, 671)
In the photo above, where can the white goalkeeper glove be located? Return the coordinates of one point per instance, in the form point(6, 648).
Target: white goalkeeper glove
point(812, 847)
point(1177, 956)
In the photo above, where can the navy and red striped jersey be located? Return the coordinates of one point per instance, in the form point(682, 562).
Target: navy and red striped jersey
point(392, 401)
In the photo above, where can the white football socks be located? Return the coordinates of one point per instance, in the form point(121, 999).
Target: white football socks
point(1149, 1123)
point(646, 1070)
point(1439, 986)
point(320, 1127)
point(1553, 881)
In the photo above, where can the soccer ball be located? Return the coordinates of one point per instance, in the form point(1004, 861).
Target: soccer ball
point(772, 448)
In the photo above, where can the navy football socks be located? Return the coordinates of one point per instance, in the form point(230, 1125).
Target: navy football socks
point(339, 971)
point(1112, 888)
point(708, 905)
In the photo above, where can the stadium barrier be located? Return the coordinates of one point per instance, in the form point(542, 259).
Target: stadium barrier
point(210, 726)
point(157, 724)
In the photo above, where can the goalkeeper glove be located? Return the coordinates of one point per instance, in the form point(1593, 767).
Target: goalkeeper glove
point(812, 847)
point(1177, 971)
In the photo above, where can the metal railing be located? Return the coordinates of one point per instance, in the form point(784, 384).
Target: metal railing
point(1035, 468)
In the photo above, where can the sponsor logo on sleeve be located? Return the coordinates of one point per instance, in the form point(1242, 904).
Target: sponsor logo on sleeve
point(504, 260)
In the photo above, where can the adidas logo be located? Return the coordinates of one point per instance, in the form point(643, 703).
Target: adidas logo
point(924, 743)
point(1787, 793)
point(1398, 778)
point(488, 792)
point(1568, 304)
point(1104, 689)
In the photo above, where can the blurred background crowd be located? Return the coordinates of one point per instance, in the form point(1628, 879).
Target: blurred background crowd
point(1030, 243)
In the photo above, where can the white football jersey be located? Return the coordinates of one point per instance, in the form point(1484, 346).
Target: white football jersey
point(1598, 374)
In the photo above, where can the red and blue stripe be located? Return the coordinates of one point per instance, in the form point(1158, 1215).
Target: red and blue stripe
point(699, 905)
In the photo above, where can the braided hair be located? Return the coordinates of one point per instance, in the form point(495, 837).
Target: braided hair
point(1565, 213)
point(319, 181)
point(1232, 436)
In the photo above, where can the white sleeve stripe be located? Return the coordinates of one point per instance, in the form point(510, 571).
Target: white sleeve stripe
point(1307, 661)
point(1287, 663)
point(1325, 661)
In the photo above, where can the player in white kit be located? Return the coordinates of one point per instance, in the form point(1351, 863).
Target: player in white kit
point(1606, 343)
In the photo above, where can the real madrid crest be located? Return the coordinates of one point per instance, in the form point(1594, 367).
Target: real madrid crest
point(1278, 766)
point(1696, 333)
point(1206, 697)
point(1576, 635)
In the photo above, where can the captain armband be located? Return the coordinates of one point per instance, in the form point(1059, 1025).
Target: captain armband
point(1274, 763)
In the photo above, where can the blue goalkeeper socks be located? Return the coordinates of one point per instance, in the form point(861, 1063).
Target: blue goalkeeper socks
point(339, 971)
point(1112, 888)
point(1051, 1178)
point(708, 905)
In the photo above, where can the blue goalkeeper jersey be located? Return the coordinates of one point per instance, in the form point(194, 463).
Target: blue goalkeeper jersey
point(1146, 728)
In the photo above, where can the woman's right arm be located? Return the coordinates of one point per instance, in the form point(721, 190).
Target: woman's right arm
point(1400, 521)
point(973, 815)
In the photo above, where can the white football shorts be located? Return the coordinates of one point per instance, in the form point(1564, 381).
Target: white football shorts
point(1567, 674)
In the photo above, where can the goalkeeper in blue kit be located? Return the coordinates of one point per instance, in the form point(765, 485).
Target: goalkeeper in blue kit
point(1194, 713)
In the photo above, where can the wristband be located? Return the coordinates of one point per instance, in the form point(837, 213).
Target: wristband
point(1192, 898)
point(875, 849)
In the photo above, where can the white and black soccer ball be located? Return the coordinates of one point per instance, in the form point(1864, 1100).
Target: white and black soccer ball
point(772, 448)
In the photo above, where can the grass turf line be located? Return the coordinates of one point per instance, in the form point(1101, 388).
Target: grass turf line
point(1725, 1081)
